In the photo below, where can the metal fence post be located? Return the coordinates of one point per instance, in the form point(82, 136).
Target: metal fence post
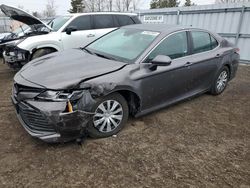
point(178, 17)
point(239, 25)
point(5, 24)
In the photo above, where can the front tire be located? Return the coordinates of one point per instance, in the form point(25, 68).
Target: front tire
point(220, 82)
point(111, 115)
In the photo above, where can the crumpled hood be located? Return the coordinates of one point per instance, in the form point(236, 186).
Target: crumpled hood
point(21, 16)
point(64, 70)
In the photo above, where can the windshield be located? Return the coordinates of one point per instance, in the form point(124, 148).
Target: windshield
point(123, 44)
point(58, 22)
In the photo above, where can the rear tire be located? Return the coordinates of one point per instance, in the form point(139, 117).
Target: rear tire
point(42, 52)
point(220, 82)
point(111, 115)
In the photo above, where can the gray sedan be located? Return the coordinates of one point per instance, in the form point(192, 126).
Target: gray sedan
point(133, 70)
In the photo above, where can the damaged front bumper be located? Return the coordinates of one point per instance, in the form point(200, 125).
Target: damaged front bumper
point(15, 57)
point(49, 122)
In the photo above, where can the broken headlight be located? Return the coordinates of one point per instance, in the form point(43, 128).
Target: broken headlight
point(60, 95)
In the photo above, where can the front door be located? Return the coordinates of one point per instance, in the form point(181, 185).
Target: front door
point(167, 84)
point(83, 35)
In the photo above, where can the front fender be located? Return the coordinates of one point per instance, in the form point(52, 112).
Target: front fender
point(56, 47)
point(41, 41)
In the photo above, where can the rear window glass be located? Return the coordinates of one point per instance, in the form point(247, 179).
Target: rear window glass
point(103, 21)
point(202, 41)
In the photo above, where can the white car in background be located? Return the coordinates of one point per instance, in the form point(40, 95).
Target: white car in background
point(64, 32)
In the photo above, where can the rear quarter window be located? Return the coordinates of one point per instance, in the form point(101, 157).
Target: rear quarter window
point(214, 42)
point(124, 20)
point(136, 20)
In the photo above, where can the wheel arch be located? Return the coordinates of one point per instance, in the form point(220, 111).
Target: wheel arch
point(40, 48)
point(229, 68)
point(44, 47)
point(132, 98)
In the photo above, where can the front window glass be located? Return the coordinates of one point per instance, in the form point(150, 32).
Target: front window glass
point(174, 46)
point(58, 22)
point(124, 44)
point(81, 23)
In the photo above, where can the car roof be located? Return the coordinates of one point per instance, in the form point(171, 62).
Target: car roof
point(102, 13)
point(162, 28)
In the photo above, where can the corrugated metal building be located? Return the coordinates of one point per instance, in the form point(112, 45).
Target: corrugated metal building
point(4, 24)
point(232, 21)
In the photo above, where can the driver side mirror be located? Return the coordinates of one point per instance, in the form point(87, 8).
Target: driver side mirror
point(70, 29)
point(160, 60)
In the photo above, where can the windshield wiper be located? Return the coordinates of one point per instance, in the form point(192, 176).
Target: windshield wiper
point(104, 56)
point(97, 54)
point(87, 50)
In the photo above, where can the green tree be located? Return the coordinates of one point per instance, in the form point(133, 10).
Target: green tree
point(164, 3)
point(188, 3)
point(77, 6)
point(173, 3)
point(154, 4)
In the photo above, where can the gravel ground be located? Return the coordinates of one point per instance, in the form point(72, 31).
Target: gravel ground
point(203, 142)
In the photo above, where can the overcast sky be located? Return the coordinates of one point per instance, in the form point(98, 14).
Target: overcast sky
point(64, 5)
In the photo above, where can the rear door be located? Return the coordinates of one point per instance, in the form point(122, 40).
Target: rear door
point(103, 23)
point(83, 36)
point(204, 62)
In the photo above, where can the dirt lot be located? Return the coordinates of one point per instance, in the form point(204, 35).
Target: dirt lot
point(204, 142)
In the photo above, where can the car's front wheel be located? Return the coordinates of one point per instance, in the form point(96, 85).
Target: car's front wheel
point(221, 81)
point(111, 114)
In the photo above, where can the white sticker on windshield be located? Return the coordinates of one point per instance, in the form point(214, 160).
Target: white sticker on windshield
point(150, 33)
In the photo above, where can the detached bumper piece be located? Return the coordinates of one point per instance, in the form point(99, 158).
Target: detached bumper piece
point(47, 120)
point(51, 126)
point(36, 124)
point(15, 57)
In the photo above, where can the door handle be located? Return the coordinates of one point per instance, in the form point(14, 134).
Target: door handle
point(188, 64)
point(218, 55)
point(90, 35)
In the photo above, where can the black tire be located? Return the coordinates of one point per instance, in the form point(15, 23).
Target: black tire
point(215, 89)
point(93, 130)
point(42, 52)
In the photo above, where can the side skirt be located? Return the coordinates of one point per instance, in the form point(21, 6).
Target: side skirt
point(167, 104)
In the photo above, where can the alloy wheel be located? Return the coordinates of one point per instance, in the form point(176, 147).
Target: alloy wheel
point(108, 116)
point(222, 81)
